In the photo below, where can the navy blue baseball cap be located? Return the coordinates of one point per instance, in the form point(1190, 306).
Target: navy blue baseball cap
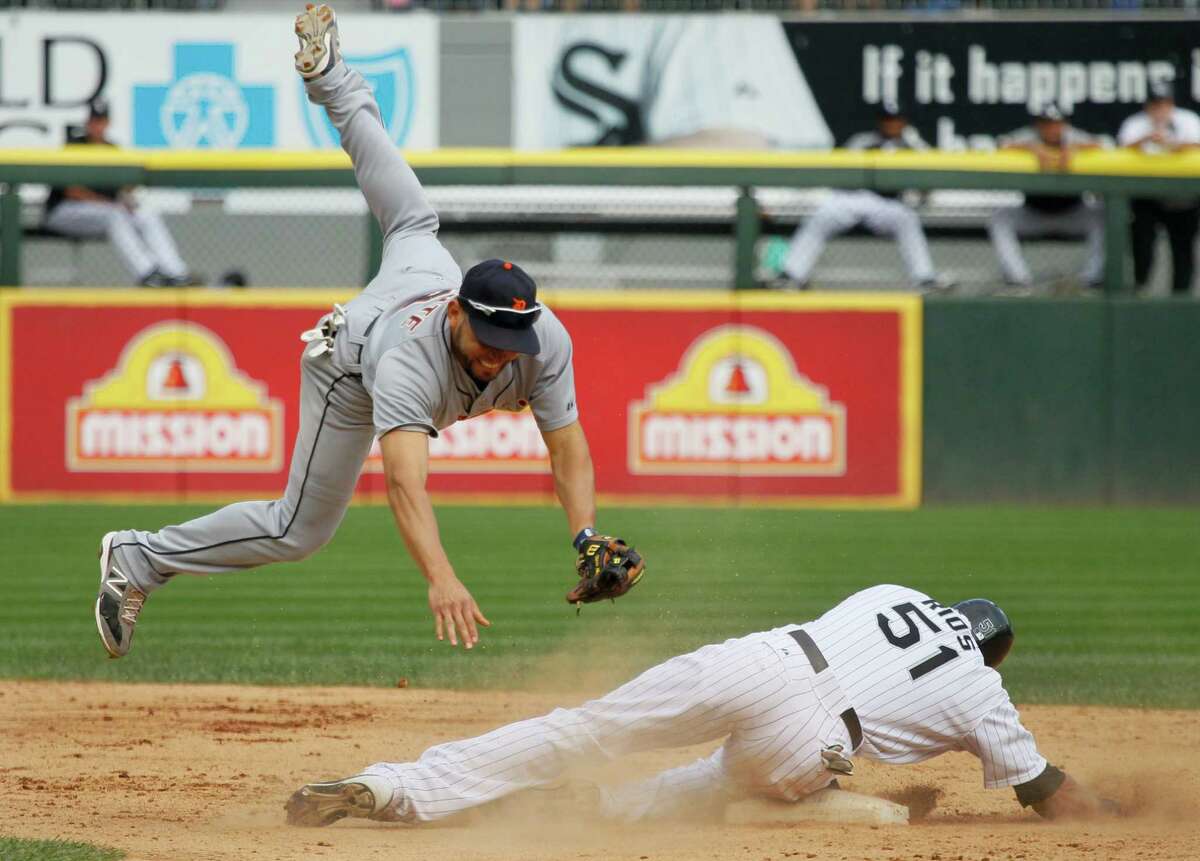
point(501, 303)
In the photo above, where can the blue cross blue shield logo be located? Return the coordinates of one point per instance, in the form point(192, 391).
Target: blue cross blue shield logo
point(204, 105)
point(390, 75)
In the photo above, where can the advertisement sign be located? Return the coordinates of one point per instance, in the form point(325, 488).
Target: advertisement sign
point(493, 442)
point(756, 81)
point(175, 400)
point(675, 80)
point(739, 399)
point(737, 406)
point(963, 83)
point(204, 81)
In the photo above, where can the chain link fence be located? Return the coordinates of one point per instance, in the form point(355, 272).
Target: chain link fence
point(954, 223)
point(280, 237)
point(567, 236)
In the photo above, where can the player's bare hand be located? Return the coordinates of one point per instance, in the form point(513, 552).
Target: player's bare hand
point(1052, 159)
point(1075, 801)
point(455, 613)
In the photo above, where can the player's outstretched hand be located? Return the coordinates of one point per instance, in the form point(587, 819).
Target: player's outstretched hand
point(1075, 801)
point(455, 613)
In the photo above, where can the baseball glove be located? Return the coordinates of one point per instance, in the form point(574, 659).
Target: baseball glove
point(607, 568)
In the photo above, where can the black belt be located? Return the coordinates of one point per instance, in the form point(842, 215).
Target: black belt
point(819, 664)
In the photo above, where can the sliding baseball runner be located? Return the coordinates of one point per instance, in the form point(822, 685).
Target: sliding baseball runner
point(888, 674)
point(420, 348)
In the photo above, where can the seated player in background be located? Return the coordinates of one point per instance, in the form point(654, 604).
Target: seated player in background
point(1163, 127)
point(1053, 141)
point(881, 212)
point(138, 235)
point(888, 674)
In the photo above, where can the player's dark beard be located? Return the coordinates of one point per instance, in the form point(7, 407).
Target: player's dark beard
point(461, 355)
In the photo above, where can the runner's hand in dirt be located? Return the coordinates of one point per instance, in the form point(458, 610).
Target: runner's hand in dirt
point(455, 612)
point(1073, 800)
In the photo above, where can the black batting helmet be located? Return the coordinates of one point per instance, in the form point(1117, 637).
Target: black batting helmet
point(990, 626)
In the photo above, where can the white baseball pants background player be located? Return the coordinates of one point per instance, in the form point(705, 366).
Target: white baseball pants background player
point(760, 690)
point(842, 211)
point(1006, 225)
point(139, 237)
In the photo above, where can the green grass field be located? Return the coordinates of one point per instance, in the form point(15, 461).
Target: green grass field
point(1104, 601)
point(16, 849)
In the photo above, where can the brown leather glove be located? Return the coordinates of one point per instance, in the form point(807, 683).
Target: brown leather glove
point(607, 568)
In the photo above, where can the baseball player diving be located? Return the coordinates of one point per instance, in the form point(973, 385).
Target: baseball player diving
point(421, 347)
point(888, 674)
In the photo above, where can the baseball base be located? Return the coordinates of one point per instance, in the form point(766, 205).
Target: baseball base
point(827, 805)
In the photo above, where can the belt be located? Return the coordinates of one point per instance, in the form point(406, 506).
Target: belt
point(819, 664)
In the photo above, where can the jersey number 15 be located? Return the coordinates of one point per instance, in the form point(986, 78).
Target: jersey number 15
point(910, 614)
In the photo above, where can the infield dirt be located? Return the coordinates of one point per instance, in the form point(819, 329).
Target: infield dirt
point(188, 772)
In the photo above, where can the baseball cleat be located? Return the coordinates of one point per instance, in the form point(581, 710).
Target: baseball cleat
point(117, 605)
point(318, 804)
point(317, 30)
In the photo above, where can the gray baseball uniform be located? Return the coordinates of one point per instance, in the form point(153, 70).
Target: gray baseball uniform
point(391, 367)
point(1047, 213)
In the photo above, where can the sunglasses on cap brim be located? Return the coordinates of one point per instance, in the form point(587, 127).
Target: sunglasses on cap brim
point(489, 310)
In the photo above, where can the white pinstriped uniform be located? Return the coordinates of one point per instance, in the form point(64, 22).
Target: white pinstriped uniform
point(761, 693)
point(958, 705)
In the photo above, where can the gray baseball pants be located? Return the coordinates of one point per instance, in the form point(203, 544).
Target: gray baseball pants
point(139, 237)
point(1006, 225)
point(336, 425)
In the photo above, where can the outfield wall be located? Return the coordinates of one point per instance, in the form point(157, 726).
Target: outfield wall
point(1062, 402)
point(727, 398)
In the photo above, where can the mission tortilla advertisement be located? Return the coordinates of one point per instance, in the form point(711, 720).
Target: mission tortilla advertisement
point(703, 397)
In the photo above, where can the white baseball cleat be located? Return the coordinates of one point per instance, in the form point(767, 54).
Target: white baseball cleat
point(117, 605)
point(366, 796)
point(317, 30)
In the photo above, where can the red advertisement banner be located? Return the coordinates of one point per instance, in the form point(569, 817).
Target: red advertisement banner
point(685, 397)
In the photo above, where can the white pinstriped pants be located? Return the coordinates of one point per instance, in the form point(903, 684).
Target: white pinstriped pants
point(759, 691)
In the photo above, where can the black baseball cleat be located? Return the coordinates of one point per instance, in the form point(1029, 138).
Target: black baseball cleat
point(117, 605)
point(365, 796)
